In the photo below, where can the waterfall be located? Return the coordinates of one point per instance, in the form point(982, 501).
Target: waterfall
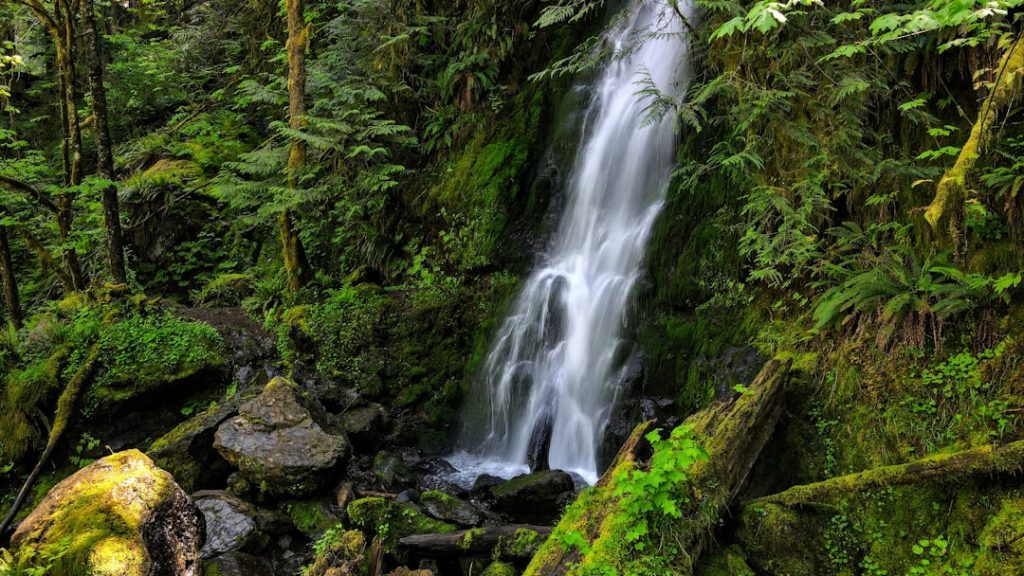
point(551, 380)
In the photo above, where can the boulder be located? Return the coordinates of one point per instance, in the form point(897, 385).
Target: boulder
point(538, 497)
point(392, 472)
point(119, 516)
point(450, 509)
point(187, 450)
point(230, 522)
point(282, 441)
point(364, 425)
point(371, 514)
point(238, 564)
point(437, 474)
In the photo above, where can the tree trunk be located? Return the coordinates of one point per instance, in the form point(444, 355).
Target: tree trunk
point(104, 153)
point(983, 461)
point(296, 264)
point(66, 406)
point(733, 433)
point(11, 298)
point(951, 190)
point(479, 541)
point(71, 147)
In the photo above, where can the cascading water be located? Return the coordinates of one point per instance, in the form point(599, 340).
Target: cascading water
point(550, 378)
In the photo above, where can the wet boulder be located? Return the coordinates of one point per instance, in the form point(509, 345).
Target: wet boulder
point(282, 441)
point(441, 506)
point(119, 516)
point(230, 523)
point(537, 498)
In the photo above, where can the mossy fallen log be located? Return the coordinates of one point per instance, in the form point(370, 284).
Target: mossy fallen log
point(469, 542)
point(984, 461)
point(592, 535)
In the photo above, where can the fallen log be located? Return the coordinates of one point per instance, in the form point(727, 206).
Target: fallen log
point(732, 432)
point(983, 461)
point(469, 542)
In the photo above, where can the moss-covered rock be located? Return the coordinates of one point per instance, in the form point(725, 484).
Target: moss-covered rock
point(187, 451)
point(500, 569)
point(120, 516)
point(450, 509)
point(392, 472)
point(392, 521)
point(312, 517)
point(143, 353)
point(725, 562)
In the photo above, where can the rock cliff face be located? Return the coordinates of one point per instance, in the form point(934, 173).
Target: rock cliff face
point(120, 516)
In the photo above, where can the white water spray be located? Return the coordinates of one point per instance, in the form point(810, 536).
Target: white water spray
point(552, 373)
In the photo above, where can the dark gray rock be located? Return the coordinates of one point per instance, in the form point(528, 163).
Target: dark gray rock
point(282, 441)
point(392, 472)
point(238, 564)
point(364, 425)
point(230, 522)
point(536, 498)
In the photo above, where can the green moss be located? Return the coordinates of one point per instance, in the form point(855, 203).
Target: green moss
point(392, 521)
point(499, 569)
point(471, 538)
point(725, 562)
point(91, 529)
point(142, 353)
point(310, 517)
point(523, 543)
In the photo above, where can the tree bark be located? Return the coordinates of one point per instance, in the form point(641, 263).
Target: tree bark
point(104, 152)
point(11, 298)
point(296, 264)
point(733, 433)
point(480, 541)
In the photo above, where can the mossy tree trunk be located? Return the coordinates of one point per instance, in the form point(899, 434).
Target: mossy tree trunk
point(104, 153)
point(61, 26)
point(952, 189)
point(296, 264)
point(733, 433)
point(11, 299)
point(66, 406)
point(984, 461)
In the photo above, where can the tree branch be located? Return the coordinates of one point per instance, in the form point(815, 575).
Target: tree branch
point(36, 194)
